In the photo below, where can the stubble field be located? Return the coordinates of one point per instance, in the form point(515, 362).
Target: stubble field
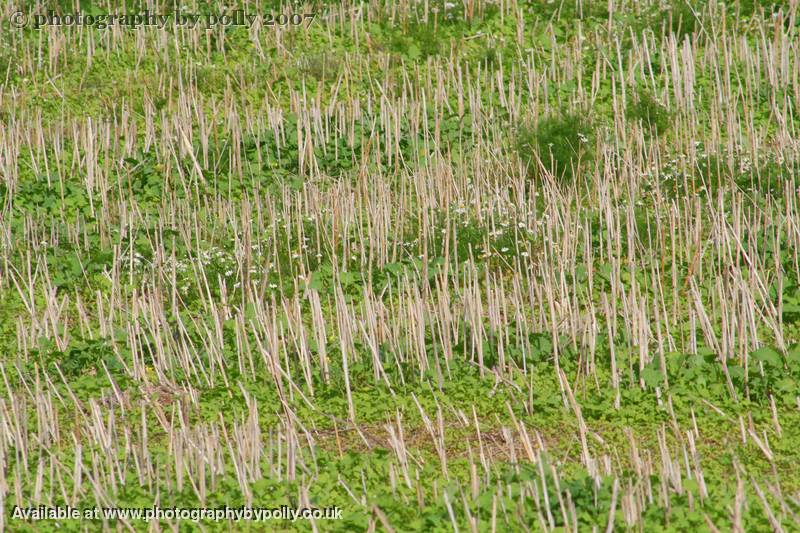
point(469, 266)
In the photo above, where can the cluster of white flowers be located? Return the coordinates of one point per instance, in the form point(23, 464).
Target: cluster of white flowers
point(133, 257)
point(745, 164)
point(219, 259)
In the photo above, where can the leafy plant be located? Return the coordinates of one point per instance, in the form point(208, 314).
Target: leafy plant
point(648, 112)
point(563, 144)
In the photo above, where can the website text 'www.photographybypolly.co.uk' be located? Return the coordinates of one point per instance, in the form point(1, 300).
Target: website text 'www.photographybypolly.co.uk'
point(195, 514)
point(149, 19)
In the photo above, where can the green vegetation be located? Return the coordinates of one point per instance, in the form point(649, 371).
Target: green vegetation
point(487, 265)
point(562, 144)
point(646, 111)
